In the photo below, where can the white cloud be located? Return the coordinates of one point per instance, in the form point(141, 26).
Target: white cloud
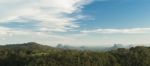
point(10, 32)
point(8, 35)
point(50, 14)
point(120, 31)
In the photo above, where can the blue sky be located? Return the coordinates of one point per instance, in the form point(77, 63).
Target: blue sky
point(118, 14)
point(75, 22)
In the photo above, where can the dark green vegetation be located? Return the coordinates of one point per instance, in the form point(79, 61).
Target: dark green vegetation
point(33, 54)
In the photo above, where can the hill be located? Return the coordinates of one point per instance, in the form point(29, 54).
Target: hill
point(34, 54)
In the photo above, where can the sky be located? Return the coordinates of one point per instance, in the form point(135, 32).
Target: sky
point(75, 22)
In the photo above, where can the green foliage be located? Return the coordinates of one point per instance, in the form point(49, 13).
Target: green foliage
point(33, 54)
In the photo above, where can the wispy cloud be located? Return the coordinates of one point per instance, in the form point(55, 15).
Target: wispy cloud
point(39, 20)
point(119, 31)
point(51, 15)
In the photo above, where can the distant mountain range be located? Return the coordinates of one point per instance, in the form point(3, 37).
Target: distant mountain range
point(94, 48)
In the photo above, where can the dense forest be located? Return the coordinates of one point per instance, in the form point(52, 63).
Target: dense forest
point(33, 54)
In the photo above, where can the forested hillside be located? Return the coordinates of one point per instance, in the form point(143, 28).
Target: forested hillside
point(33, 54)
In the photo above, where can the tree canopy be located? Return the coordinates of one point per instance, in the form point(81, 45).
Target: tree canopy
point(33, 54)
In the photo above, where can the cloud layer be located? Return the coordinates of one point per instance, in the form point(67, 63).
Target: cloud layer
point(50, 15)
point(118, 31)
point(39, 20)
